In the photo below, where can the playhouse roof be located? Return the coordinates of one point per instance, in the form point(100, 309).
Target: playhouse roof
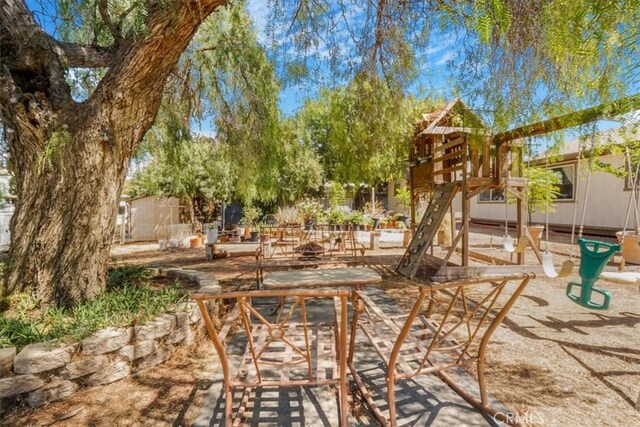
point(437, 121)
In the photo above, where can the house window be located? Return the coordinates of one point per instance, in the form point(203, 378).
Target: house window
point(491, 196)
point(567, 181)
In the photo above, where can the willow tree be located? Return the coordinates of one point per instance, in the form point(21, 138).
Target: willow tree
point(360, 130)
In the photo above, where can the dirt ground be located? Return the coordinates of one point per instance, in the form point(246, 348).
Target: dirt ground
point(553, 362)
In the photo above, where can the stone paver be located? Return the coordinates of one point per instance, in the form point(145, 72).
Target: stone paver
point(55, 390)
point(41, 357)
point(106, 340)
point(6, 360)
point(84, 367)
point(14, 386)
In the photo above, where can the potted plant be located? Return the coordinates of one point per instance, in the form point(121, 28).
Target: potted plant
point(356, 219)
point(212, 233)
point(310, 212)
point(287, 215)
point(382, 222)
point(374, 212)
point(368, 223)
point(336, 217)
point(629, 149)
point(251, 215)
point(403, 196)
point(390, 221)
point(542, 192)
point(399, 220)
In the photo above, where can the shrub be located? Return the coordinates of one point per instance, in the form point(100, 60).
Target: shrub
point(356, 217)
point(251, 215)
point(336, 216)
point(309, 209)
point(336, 194)
point(287, 215)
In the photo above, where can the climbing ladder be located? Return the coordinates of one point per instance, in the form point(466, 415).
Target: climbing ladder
point(423, 237)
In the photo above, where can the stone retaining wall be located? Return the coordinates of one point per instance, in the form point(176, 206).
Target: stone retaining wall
point(45, 372)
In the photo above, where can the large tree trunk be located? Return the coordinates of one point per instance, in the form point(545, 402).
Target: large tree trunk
point(70, 159)
point(64, 217)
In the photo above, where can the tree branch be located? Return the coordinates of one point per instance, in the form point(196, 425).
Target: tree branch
point(103, 9)
point(142, 64)
point(26, 47)
point(84, 56)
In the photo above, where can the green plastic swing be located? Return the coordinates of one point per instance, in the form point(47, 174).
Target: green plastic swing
point(592, 262)
point(594, 255)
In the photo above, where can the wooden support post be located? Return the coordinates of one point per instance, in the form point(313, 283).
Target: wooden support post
point(438, 166)
point(522, 208)
point(412, 207)
point(521, 213)
point(486, 159)
point(475, 161)
point(466, 204)
point(502, 162)
point(452, 212)
point(465, 229)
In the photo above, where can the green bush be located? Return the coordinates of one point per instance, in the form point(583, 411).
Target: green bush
point(129, 300)
point(336, 194)
point(251, 216)
point(356, 217)
point(336, 216)
point(310, 209)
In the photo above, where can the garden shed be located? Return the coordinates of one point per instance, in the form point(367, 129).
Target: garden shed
point(155, 218)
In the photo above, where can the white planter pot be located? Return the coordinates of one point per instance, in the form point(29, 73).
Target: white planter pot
point(630, 247)
point(212, 236)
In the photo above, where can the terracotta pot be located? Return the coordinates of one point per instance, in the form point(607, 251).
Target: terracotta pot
point(630, 246)
point(195, 242)
point(536, 233)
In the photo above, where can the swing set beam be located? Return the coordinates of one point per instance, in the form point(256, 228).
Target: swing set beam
point(576, 118)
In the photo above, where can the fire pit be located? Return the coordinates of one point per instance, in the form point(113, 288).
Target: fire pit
point(309, 251)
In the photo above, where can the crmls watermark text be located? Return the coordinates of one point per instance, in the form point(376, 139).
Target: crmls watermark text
point(530, 418)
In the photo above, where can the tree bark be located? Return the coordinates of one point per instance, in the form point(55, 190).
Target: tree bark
point(70, 159)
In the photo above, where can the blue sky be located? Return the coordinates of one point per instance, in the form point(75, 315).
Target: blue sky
point(432, 63)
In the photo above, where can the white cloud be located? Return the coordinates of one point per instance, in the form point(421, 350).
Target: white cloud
point(440, 44)
point(445, 58)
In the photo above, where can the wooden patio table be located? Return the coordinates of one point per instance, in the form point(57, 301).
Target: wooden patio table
point(355, 277)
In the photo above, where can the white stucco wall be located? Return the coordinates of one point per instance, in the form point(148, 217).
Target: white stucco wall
point(606, 204)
